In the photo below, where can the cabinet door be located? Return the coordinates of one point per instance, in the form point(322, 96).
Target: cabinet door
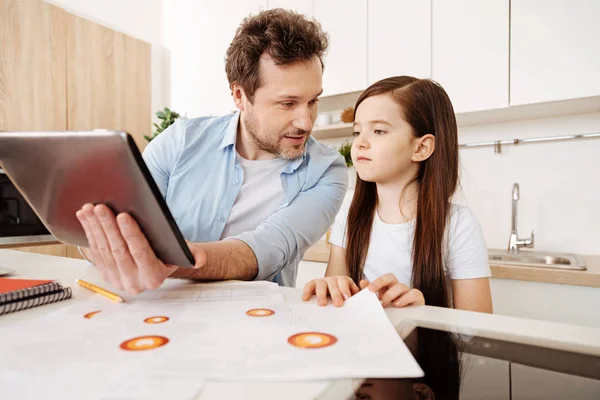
point(470, 52)
point(302, 6)
point(399, 39)
point(555, 50)
point(529, 383)
point(484, 378)
point(33, 92)
point(108, 80)
point(346, 62)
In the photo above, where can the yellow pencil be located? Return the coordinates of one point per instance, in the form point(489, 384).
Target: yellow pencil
point(99, 290)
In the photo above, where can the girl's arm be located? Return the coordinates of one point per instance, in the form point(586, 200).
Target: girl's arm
point(337, 261)
point(472, 295)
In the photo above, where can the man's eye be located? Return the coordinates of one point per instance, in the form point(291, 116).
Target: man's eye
point(288, 104)
point(378, 132)
point(315, 101)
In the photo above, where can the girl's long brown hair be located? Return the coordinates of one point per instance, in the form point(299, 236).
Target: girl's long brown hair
point(425, 105)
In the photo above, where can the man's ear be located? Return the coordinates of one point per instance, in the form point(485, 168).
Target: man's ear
point(239, 97)
point(424, 148)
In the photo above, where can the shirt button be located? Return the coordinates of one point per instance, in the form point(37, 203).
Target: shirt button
point(235, 182)
point(221, 219)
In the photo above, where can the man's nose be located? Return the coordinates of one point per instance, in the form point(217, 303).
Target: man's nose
point(303, 120)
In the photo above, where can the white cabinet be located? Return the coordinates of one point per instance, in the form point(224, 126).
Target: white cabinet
point(530, 383)
point(555, 50)
point(484, 378)
point(301, 6)
point(399, 39)
point(470, 52)
point(346, 62)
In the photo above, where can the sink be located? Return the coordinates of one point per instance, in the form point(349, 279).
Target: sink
point(537, 259)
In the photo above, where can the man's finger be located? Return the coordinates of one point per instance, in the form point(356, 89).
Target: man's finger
point(309, 290)
point(393, 293)
point(150, 268)
point(334, 292)
point(118, 246)
point(321, 291)
point(103, 256)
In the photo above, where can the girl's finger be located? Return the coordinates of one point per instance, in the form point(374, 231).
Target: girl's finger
point(309, 290)
point(363, 284)
point(321, 291)
point(412, 297)
point(344, 284)
point(334, 292)
point(382, 282)
point(393, 293)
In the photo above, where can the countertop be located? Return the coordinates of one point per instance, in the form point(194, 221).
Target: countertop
point(572, 338)
point(591, 277)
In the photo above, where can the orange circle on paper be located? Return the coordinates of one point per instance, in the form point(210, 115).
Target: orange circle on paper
point(312, 340)
point(144, 343)
point(91, 314)
point(260, 312)
point(156, 320)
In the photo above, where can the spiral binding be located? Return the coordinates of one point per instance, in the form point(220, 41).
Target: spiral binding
point(29, 302)
point(38, 290)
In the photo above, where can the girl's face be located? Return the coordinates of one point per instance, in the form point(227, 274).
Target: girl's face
point(384, 147)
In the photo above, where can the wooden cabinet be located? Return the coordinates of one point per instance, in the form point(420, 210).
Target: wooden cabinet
point(302, 6)
point(108, 80)
point(470, 52)
point(346, 61)
point(32, 66)
point(399, 39)
point(554, 50)
point(62, 72)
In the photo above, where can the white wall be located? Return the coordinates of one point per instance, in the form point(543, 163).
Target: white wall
point(197, 34)
point(559, 181)
point(141, 19)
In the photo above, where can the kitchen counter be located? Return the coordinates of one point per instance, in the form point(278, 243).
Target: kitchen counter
point(591, 277)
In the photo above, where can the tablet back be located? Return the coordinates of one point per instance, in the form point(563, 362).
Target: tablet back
point(58, 172)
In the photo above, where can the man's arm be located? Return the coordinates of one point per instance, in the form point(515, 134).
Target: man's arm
point(226, 259)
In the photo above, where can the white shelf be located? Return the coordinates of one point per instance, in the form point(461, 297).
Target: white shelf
point(332, 131)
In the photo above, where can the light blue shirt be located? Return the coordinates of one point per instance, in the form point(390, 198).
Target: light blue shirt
point(195, 166)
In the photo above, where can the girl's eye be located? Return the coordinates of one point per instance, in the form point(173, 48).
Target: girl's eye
point(378, 132)
point(355, 133)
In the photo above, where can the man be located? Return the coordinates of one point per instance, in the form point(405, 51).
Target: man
point(251, 191)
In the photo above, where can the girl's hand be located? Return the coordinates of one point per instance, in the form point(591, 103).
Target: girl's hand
point(392, 292)
point(339, 287)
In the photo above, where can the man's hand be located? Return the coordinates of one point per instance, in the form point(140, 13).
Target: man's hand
point(340, 288)
point(391, 292)
point(121, 252)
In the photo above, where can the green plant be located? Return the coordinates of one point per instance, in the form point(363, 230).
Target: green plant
point(168, 117)
point(345, 152)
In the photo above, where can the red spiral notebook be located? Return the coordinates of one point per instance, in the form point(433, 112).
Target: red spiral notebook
point(20, 294)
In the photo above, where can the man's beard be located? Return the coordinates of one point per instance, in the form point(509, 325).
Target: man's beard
point(273, 146)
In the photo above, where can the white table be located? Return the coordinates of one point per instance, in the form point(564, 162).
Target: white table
point(548, 334)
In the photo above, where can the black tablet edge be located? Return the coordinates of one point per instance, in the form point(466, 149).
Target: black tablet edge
point(159, 198)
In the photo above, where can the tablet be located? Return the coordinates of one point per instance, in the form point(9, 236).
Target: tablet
point(58, 172)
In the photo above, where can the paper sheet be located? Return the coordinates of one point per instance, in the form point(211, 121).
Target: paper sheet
point(250, 334)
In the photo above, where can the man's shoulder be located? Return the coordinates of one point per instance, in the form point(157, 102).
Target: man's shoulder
point(199, 125)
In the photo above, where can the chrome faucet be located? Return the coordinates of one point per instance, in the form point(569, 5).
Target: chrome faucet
point(514, 244)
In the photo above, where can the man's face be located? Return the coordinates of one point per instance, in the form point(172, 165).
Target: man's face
point(285, 107)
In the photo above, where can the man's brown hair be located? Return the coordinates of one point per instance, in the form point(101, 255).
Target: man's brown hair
point(284, 35)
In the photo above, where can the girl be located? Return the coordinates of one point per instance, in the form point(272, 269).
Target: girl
point(401, 235)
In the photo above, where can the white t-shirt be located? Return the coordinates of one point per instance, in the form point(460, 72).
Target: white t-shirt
point(260, 195)
point(390, 247)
